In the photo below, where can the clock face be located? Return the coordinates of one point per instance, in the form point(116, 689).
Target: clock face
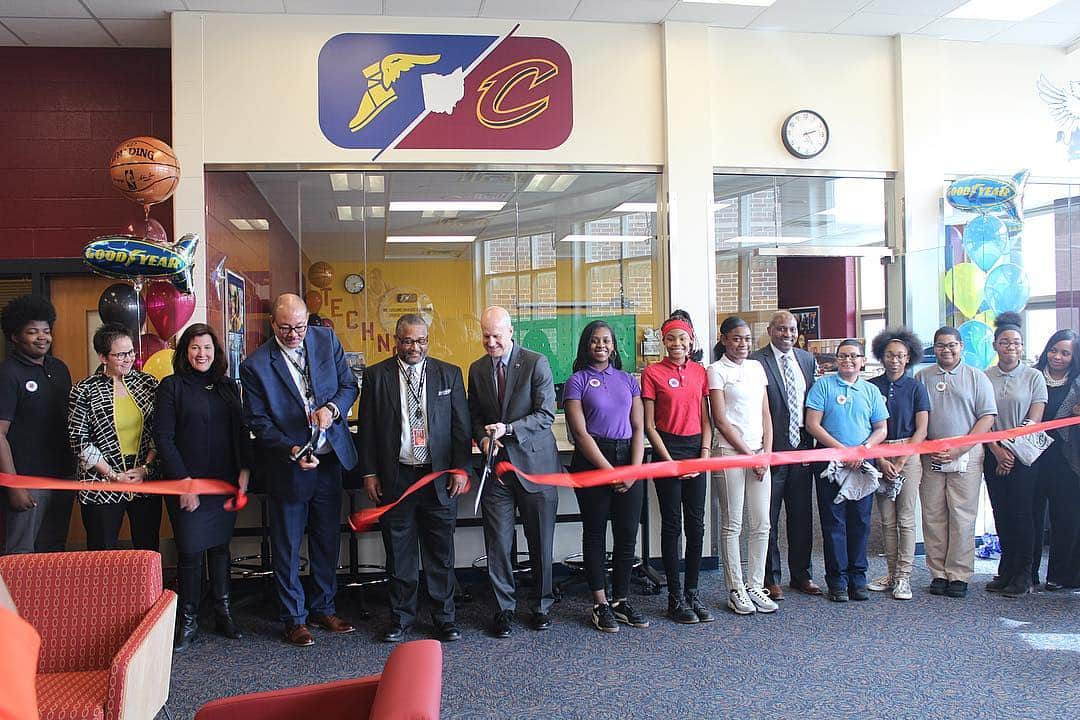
point(805, 134)
point(354, 283)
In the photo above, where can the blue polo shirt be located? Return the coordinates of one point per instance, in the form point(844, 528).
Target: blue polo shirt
point(903, 398)
point(848, 409)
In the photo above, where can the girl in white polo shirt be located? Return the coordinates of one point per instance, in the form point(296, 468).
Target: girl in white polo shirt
point(740, 412)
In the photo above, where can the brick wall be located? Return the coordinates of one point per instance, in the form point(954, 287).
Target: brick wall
point(63, 111)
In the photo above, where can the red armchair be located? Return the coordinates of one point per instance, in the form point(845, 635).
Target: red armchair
point(106, 629)
point(410, 686)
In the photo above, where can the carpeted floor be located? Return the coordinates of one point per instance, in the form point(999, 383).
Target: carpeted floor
point(981, 657)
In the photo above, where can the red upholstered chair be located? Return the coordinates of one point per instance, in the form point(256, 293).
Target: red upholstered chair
point(106, 629)
point(18, 666)
point(410, 687)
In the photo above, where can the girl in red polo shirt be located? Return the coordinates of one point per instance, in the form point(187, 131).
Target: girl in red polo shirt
point(675, 394)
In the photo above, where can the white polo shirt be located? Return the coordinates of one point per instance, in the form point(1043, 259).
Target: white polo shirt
point(743, 385)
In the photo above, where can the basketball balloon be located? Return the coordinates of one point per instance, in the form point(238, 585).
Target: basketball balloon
point(313, 299)
point(321, 274)
point(144, 169)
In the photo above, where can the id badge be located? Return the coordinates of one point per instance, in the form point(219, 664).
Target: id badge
point(419, 437)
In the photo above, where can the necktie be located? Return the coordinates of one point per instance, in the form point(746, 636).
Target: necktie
point(500, 381)
point(416, 417)
point(793, 404)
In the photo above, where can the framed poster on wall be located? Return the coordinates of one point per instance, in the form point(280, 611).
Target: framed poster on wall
point(235, 321)
point(807, 318)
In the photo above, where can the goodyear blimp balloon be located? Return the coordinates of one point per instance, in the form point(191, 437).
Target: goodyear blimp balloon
point(987, 194)
point(131, 258)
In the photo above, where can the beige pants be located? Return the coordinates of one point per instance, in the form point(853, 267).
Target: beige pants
point(739, 490)
point(897, 518)
point(950, 502)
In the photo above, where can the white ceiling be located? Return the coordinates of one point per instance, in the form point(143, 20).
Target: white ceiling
point(144, 23)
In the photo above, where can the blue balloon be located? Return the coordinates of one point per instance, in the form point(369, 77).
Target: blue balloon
point(978, 344)
point(1007, 288)
point(986, 239)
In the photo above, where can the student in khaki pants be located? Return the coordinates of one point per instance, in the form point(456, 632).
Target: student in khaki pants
point(961, 403)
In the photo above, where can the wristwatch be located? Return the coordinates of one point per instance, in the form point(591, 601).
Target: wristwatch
point(509, 429)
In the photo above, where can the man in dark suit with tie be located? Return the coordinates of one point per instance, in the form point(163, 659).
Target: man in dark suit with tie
point(790, 371)
point(295, 381)
point(512, 402)
point(414, 420)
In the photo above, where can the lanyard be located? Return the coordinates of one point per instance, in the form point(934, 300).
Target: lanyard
point(305, 375)
point(417, 393)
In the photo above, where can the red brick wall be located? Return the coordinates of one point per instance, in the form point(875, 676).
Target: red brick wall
point(62, 111)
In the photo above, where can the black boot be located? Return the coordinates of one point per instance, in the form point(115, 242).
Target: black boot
point(189, 584)
point(218, 560)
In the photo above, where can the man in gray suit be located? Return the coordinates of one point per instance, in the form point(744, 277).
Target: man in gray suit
point(512, 401)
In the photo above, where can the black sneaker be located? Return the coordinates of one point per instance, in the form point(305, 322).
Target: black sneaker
point(1016, 588)
point(839, 595)
point(938, 586)
point(858, 593)
point(624, 613)
point(698, 607)
point(997, 584)
point(956, 589)
point(680, 612)
point(603, 619)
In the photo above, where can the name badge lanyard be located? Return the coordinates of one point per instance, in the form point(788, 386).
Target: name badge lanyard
point(416, 393)
point(305, 376)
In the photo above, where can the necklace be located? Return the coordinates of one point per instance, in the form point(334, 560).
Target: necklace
point(1051, 382)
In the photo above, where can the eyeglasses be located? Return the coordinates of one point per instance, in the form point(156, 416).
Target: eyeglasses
point(123, 355)
point(290, 329)
point(410, 342)
point(1010, 343)
point(946, 346)
point(848, 356)
point(896, 356)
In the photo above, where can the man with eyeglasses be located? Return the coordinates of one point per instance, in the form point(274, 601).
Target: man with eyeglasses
point(961, 403)
point(414, 420)
point(295, 382)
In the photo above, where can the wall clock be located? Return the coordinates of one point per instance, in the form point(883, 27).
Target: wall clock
point(805, 134)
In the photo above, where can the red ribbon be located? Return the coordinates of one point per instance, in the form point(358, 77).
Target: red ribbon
point(195, 486)
point(364, 519)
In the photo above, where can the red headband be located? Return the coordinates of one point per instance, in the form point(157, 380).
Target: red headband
point(677, 324)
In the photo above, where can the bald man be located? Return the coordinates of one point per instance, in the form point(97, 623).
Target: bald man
point(512, 399)
point(296, 381)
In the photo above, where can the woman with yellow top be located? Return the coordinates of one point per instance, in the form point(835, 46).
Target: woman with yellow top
point(110, 426)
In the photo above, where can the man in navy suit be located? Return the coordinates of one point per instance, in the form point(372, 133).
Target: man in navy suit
point(294, 382)
point(790, 372)
point(415, 420)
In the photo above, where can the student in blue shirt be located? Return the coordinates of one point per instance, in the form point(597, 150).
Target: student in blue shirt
point(843, 410)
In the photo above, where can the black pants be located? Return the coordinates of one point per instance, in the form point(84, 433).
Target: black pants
point(596, 505)
point(681, 501)
point(793, 487)
point(103, 522)
point(1058, 487)
point(1011, 498)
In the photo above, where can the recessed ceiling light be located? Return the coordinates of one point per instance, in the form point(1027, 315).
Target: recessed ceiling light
point(260, 224)
point(376, 211)
point(607, 238)
point(1012, 10)
point(376, 183)
point(542, 182)
point(755, 3)
point(431, 239)
point(344, 212)
point(240, 223)
point(768, 240)
point(339, 181)
point(631, 207)
point(445, 206)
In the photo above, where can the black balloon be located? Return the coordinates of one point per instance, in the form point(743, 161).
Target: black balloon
point(121, 304)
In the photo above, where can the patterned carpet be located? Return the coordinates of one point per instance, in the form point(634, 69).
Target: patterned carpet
point(982, 657)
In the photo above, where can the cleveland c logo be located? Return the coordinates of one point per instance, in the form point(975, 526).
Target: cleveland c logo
point(490, 109)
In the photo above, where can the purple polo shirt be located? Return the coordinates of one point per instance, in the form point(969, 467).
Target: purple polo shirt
point(606, 396)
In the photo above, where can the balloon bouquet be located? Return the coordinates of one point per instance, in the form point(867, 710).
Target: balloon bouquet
point(156, 274)
point(991, 280)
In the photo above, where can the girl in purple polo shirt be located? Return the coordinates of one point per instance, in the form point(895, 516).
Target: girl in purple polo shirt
point(603, 411)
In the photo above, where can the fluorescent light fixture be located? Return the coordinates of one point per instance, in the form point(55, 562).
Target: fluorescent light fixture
point(768, 240)
point(339, 181)
point(754, 3)
point(445, 206)
point(376, 184)
point(632, 207)
point(376, 211)
point(607, 238)
point(549, 183)
point(344, 213)
point(260, 224)
point(250, 224)
point(459, 239)
point(1011, 10)
point(240, 223)
point(878, 251)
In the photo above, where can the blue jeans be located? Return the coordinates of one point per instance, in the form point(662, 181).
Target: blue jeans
point(845, 530)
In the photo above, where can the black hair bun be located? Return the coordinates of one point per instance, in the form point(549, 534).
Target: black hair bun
point(1009, 318)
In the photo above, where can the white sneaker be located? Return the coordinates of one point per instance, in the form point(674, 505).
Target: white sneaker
point(762, 602)
point(740, 602)
point(883, 583)
point(902, 589)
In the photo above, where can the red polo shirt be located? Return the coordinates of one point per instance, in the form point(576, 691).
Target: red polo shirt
point(677, 391)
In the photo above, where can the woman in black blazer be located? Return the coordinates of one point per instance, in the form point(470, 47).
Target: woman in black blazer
point(199, 433)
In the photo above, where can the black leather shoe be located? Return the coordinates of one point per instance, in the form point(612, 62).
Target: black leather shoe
point(938, 586)
point(541, 621)
point(447, 632)
point(956, 589)
point(998, 584)
point(838, 595)
point(395, 634)
point(502, 624)
point(858, 593)
point(1052, 586)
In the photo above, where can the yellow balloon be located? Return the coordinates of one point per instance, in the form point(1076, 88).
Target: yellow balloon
point(964, 285)
point(986, 317)
point(160, 364)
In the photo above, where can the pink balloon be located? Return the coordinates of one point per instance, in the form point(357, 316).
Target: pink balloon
point(148, 229)
point(168, 308)
point(148, 345)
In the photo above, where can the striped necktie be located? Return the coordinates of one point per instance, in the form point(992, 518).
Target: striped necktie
point(416, 416)
point(793, 404)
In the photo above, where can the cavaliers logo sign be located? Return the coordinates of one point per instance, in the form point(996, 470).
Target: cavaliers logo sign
point(384, 91)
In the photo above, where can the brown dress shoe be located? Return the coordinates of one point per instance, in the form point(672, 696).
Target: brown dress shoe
point(775, 592)
point(298, 635)
point(332, 623)
point(807, 586)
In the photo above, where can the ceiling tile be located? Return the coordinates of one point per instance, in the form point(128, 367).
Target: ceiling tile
point(792, 19)
point(815, 5)
point(962, 29)
point(236, 6)
point(43, 9)
point(60, 32)
point(140, 32)
point(434, 8)
point(868, 23)
point(936, 8)
point(1039, 33)
point(7, 39)
point(647, 11)
point(731, 16)
point(334, 7)
point(133, 8)
point(522, 10)
point(1064, 11)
